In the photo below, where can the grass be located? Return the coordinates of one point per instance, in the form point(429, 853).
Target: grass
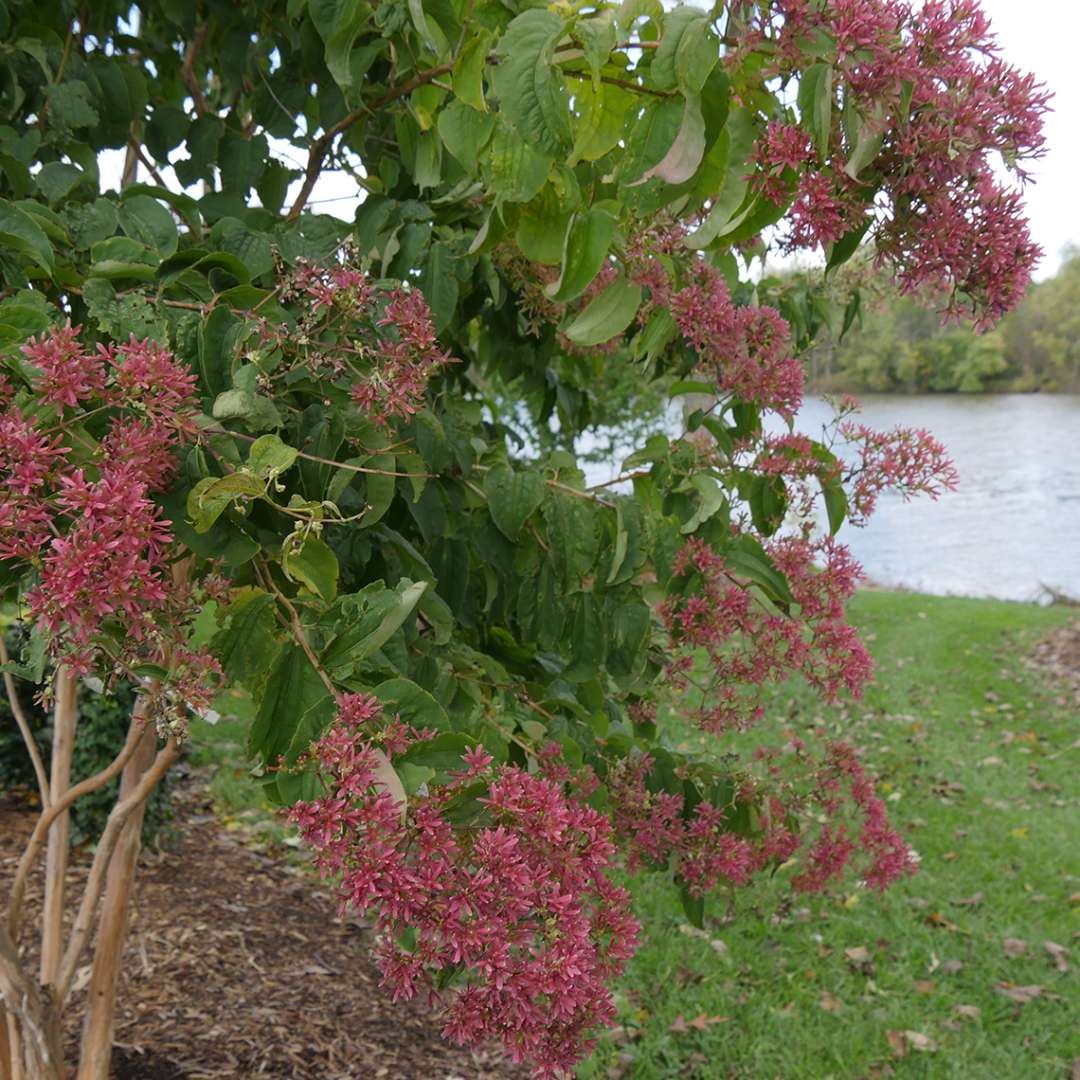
point(979, 763)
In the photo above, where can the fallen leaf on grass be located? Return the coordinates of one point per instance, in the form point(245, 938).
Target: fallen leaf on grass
point(1074, 1074)
point(902, 1041)
point(830, 1002)
point(969, 901)
point(1020, 994)
point(859, 959)
point(1057, 954)
point(924, 986)
point(968, 1012)
point(935, 918)
point(680, 1025)
point(992, 760)
point(1014, 946)
point(951, 967)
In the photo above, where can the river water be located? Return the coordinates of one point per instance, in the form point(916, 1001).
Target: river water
point(1013, 523)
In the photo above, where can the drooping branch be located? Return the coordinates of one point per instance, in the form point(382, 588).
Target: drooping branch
point(24, 726)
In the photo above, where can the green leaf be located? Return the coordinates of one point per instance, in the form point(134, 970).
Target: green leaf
point(207, 500)
point(684, 155)
point(518, 170)
point(529, 86)
point(380, 489)
point(513, 497)
point(465, 132)
point(693, 907)
point(439, 284)
point(247, 645)
point(815, 102)
point(442, 754)
point(597, 37)
point(257, 412)
point(20, 232)
point(269, 456)
point(58, 179)
point(585, 249)
point(601, 120)
point(847, 245)
point(574, 536)
point(651, 137)
point(339, 22)
point(741, 133)
point(468, 74)
point(749, 559)
point(836, 504)
point(412, 703)
point(607, 315)
point(69, 105)
point(711, 499)
point(313, 565)
point(366, 621)
point(687, 53)
point(146, 220)
point(294, 709)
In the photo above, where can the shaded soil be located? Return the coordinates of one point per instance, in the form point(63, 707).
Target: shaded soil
point(237, 966)
point(1058, 657)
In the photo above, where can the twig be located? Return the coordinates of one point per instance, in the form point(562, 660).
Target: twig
point(187, 71)
point(298, 629)
point(24, 727)
point(637, 88)
point(326, 461)
point(321, 146)
point(134, 143)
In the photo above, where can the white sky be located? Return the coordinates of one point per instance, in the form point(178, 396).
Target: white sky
point(1041, 36)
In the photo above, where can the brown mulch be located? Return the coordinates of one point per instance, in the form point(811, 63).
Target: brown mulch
point(237, 966)
point(1058, 656)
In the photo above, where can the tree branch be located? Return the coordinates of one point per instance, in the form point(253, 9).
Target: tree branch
point(48, 815)
point(24, 727)
point(87, 916)
point(322, 145)
point(187, 70)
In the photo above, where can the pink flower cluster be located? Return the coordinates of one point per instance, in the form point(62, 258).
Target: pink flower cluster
point(493, 892)
point(907, 460)
point(719, 847)
point(922, 84)
point(748, 643)
point(746, 349)
point(77, 511)
point(388, 350)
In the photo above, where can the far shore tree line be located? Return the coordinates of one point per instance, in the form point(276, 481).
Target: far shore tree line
point(899, 344)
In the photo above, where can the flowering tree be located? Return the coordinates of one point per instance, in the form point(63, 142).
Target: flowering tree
point(250, 457)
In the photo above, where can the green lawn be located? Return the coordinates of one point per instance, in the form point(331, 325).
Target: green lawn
point(980, 764)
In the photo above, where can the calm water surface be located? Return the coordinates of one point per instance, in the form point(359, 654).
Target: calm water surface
point(1013, 522)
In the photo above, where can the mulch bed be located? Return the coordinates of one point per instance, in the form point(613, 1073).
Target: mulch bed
point(1058, 656)
point(237, 966)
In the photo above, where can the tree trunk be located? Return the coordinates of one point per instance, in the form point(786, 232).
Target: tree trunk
point(97, 1038)
point(65, 719)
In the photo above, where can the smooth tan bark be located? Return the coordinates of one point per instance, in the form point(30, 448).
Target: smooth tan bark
point(65, 721)
point(97, 1038)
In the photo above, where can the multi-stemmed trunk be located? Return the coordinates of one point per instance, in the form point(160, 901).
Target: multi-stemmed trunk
point(31, 1014)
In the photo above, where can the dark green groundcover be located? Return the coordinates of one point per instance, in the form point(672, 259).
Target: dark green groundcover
point(103, 724)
